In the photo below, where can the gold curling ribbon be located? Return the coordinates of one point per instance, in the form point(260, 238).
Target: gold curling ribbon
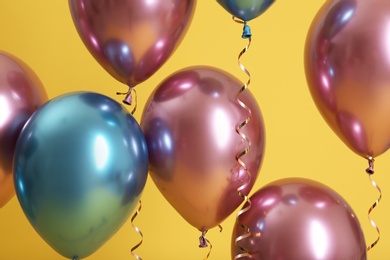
point(220, 228)
point(128, 100)
point(244, 252)
point(138, 231)
point(370, 171)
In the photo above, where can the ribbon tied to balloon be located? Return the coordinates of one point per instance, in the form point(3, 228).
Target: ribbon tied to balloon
point(347, 67)
point(189, 124)
point(347, 71)
point(246, 10)
point(131, 39)
point(80, 167)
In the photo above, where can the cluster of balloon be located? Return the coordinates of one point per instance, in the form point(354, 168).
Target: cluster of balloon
point(21, 94)
point(131, 39)
point(347, 66)
point(189, 124)
point(300, 219)
point(80, 166)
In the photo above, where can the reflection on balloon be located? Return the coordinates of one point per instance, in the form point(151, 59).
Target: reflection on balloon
point(132, 39)
point(189, 124)
point(80, 167)
point(21, 93)
point(347, 72)
point(246, 10)
point(120, 57)
point(300, 219)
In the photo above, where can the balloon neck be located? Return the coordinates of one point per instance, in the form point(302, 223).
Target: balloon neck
point(203, 240)
point(246, 33)
point(128, 100)
point(370, 169)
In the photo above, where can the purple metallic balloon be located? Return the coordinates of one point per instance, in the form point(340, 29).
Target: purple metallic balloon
point(132, 39)
point(300, 219)
point(347, 62)
point(190, 124)
point(21, 94)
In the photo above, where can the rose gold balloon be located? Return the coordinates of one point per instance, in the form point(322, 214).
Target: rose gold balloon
point(132, 39)
point(21, 93)
point(189, 124)
point(299, 219)
point(347, 62)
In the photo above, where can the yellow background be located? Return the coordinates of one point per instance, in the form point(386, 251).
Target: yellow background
point(298, 144)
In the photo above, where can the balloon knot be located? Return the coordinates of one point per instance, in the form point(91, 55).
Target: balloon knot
point(203, 240)
point(128, 100)
point(246, 33)
point(75, 258)
point(370, 169)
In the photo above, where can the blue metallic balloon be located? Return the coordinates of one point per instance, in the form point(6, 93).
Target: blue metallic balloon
point(80, 166)
point(246, 10)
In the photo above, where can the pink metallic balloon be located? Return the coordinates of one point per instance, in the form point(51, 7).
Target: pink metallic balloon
point(132, 39)
point(21, 93)
point(300, 219)
point(189, 124)
point(347, 62)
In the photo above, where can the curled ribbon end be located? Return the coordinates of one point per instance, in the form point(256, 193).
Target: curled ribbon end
point(137, 230)
point(220, 228)
point(246, 33)
point(370, 171)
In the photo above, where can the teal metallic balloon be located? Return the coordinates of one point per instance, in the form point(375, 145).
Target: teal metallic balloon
point(246, 10)
point(80, 166)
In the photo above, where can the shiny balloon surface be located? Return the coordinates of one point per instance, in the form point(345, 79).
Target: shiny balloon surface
point(347, 62)
point(300, 219)
point(21, 94)
point(190, 124)
point(132, 39)
point(80, 167)
point(246, 10)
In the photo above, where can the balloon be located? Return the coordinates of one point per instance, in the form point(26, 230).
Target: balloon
point(80, 167)
point(299, 219)
point(132, 39)
point(21, 93)
point(189, 124)
point(246, 10)
point(347, 66)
